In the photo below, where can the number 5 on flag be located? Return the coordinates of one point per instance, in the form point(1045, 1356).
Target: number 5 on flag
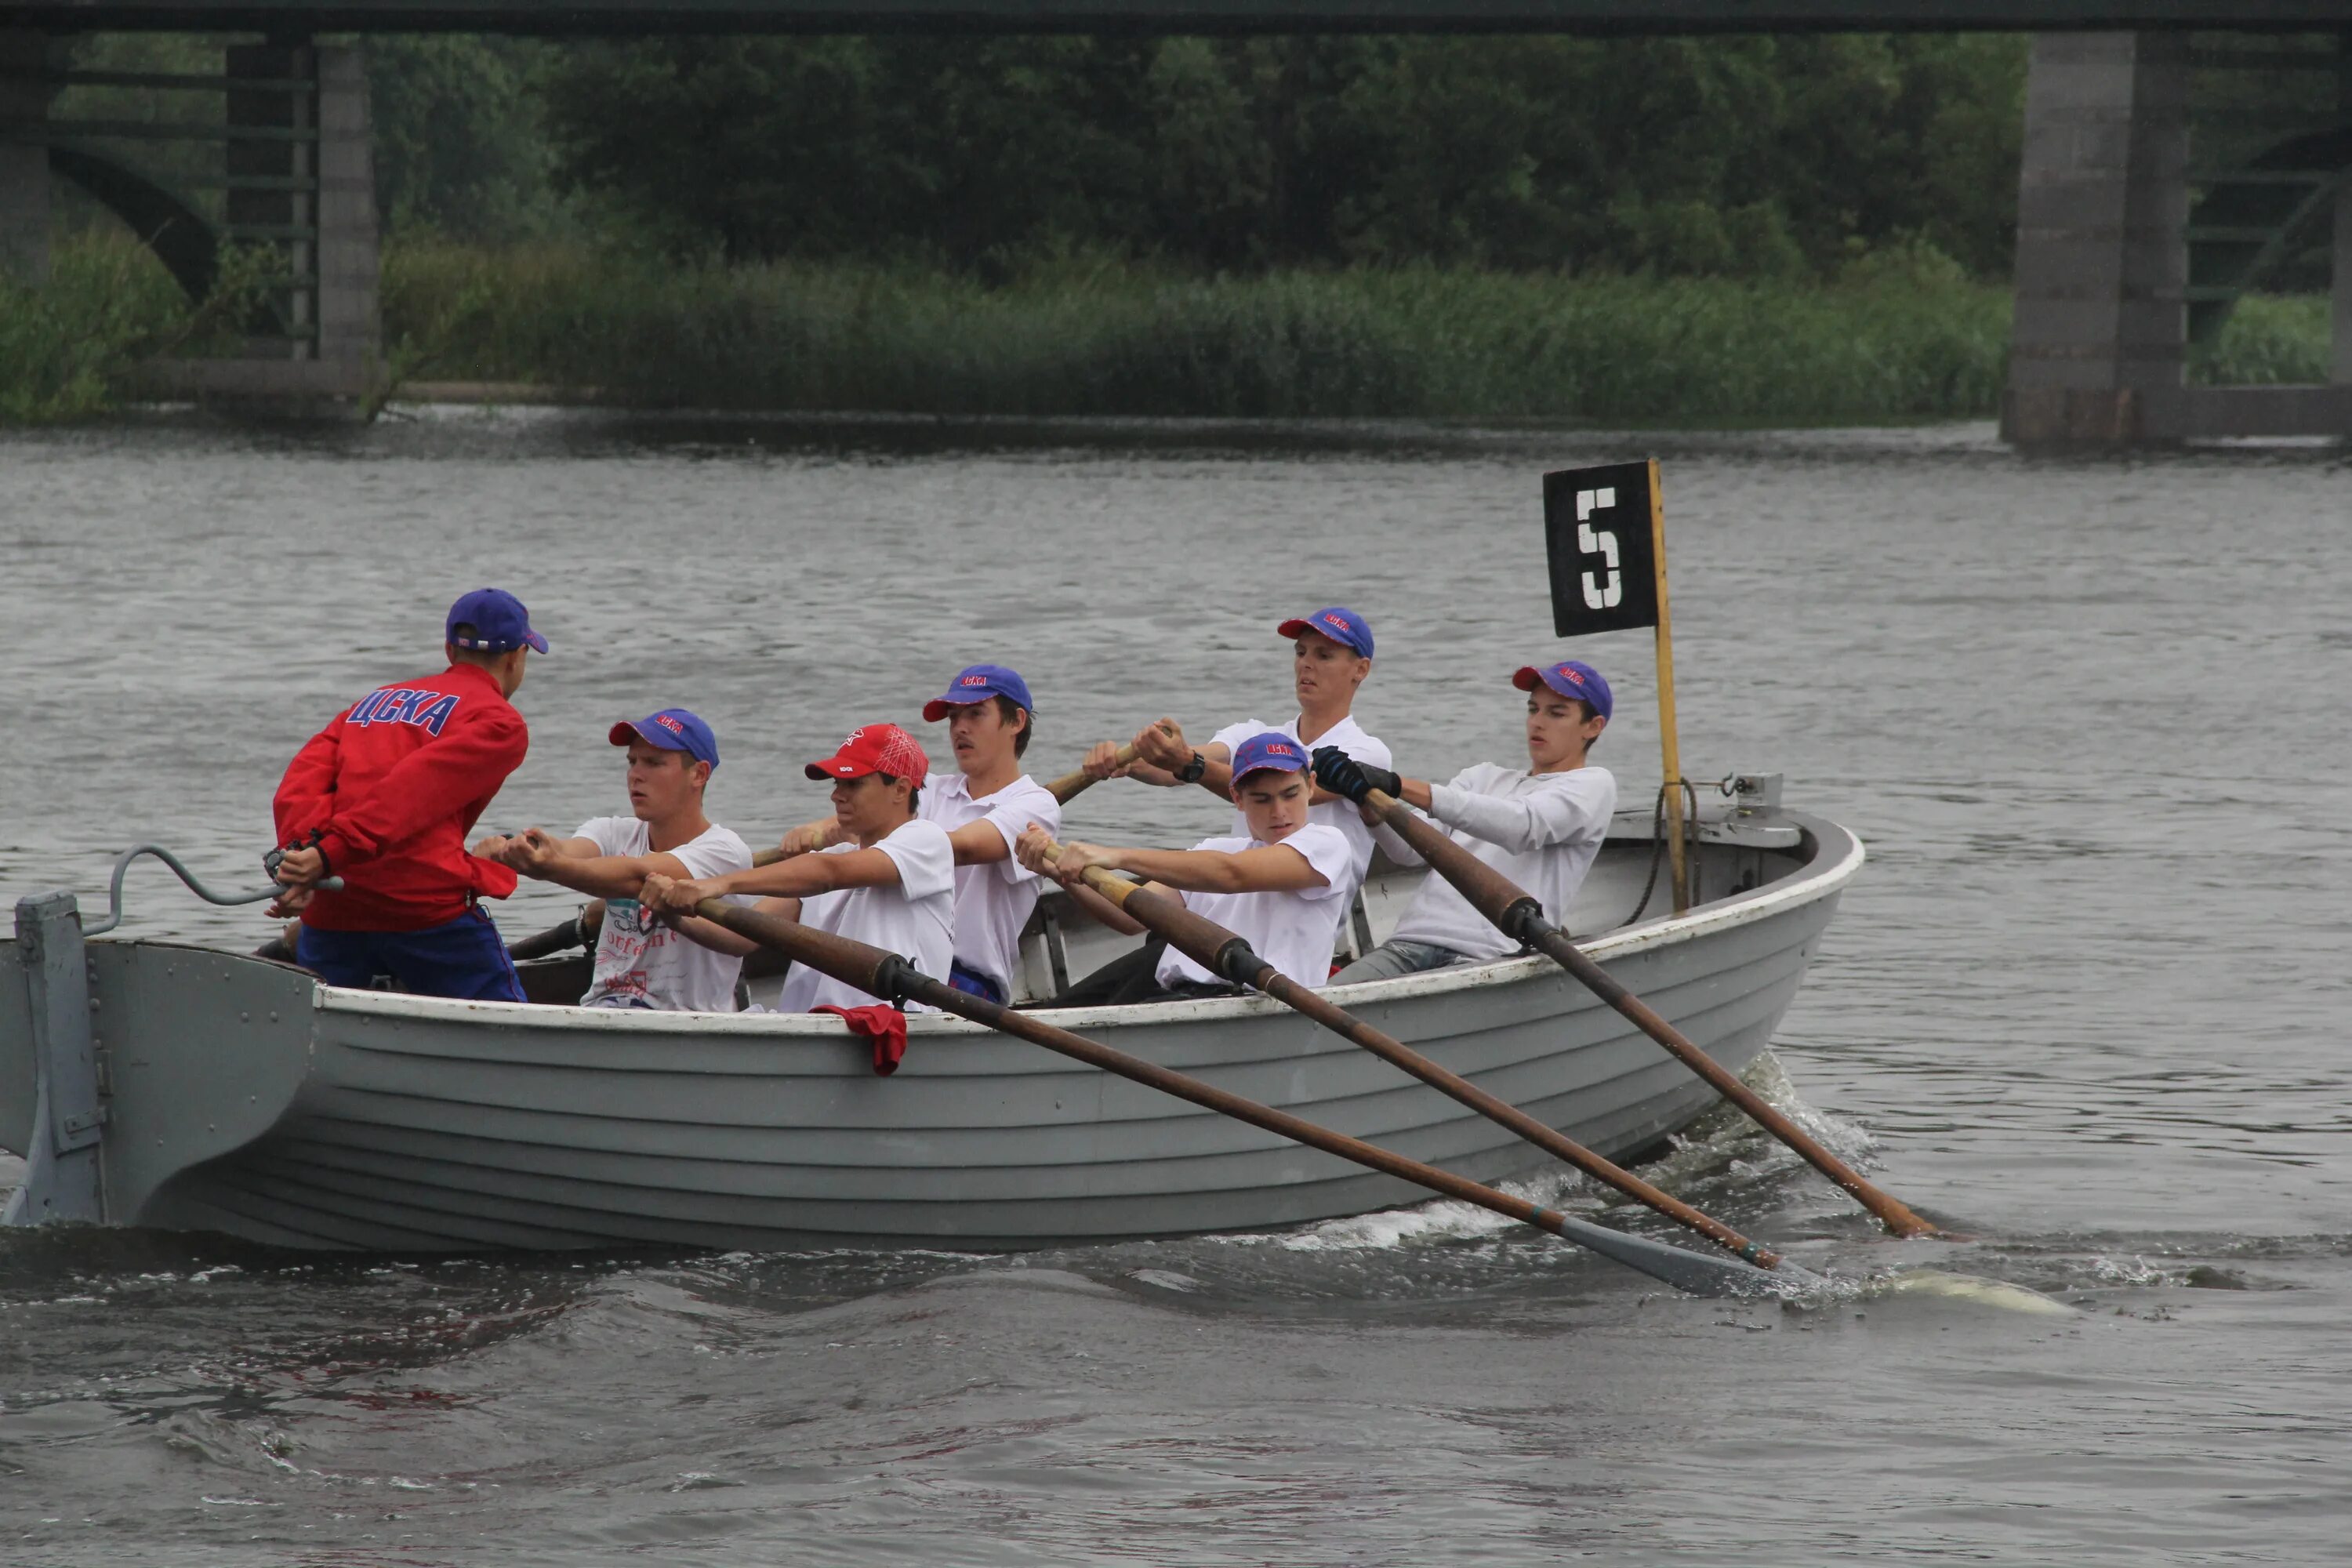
point(1605, 539)
point(1599, 535)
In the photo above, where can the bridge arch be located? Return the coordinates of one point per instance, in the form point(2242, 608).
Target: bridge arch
point(178, 235)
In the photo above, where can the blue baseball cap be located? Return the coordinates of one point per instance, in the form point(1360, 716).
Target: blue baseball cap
point(1270, 750)
point(1570, 677)
point(1337, 622)
point(501, 623)
point(978, 683)
point(673, 730)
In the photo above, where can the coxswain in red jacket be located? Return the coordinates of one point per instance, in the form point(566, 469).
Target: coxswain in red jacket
point(385, 796)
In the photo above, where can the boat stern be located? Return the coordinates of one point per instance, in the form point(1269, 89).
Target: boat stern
point(124, 1063)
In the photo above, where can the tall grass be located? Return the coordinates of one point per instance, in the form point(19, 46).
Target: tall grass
point(1117, 339)
point(1895, 340)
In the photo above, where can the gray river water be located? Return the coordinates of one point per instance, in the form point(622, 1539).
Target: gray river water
point(2088, 1002)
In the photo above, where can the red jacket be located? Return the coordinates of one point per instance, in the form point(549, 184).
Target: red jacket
point(396, 780)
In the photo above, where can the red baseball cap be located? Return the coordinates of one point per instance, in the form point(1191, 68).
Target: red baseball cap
point(876, 749)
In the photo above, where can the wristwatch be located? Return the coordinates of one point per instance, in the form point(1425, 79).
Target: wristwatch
point(1190, 772)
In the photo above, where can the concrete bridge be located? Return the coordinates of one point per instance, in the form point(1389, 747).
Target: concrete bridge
point(2132, 241)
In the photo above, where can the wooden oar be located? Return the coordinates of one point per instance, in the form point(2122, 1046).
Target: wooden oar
point(573, 933)
point(1070, 785)
point(1221, 952)
point(891, 978)
point(1062, 789)
point(1518, 915)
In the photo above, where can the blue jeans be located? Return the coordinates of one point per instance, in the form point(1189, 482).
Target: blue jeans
point(1393, 958)
point(462, 958)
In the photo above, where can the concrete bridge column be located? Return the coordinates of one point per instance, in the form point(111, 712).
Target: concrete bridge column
point(302, 179)
point(271, 161)
point(2340, 366)
point(2099, 338)
point(2340, 371)
point(351, 328)
point(24, 94)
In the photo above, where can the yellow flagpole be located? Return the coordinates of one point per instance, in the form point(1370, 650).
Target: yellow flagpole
point(1668, 741)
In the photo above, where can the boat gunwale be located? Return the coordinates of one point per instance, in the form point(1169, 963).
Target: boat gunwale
point(1832, 866)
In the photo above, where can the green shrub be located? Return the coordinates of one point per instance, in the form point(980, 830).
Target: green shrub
point(1896, 341)
point(2266, 342)
point(65, 343)
point(69, 345)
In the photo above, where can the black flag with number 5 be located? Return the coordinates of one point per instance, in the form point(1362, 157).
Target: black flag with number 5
point(1597, 533)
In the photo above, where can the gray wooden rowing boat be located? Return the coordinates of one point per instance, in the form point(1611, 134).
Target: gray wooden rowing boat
point(222, 1092)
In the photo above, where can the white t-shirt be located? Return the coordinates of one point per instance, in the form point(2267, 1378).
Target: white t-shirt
point(1541, 830)
point(1349, 737)
point(643, 961)
point(915, 918)
point(992, 902)
point(1295, 930)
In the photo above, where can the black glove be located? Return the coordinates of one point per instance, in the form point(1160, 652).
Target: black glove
point(1343, 775)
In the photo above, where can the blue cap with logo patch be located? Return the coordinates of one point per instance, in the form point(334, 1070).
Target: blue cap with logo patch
point(1339, 623)
point(673, 730)
point(1570, 677)
point(978, 683)
point(1269, 751)
point(500, 623)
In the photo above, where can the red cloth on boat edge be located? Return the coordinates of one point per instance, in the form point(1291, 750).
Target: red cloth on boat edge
point(884, 1024)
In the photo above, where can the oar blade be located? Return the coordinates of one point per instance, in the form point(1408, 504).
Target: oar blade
point(1976, 1290)
point(1698, 1273)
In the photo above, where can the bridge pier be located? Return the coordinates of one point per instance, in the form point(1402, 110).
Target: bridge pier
point(300, 176)
point(2099, 340)
point(25, 93)
point(2340, 258)
point(297, 174)
point(2100, 333)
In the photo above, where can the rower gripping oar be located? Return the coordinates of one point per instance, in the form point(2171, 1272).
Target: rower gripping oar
point(1070, 785)
point(1518, 915)
point(892, 978)
point(576, 931)
point(1062, 789)
point(1221, 952)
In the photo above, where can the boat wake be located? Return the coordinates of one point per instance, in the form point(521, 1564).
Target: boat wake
point(1723, 1160)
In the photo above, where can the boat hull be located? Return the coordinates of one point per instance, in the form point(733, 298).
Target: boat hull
point(417, 1124)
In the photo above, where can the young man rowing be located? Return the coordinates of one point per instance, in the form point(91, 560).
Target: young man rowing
point(890, 882)
point(1539, 826)
point(640, 963)
point(983, 806)
point(384, 798)
point(1278, 884)
point(1331, 655)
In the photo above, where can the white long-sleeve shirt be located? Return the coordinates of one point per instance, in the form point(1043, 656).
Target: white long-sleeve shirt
point(1541, 830)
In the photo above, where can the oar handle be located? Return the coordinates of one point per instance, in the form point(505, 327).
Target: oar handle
point(1109, 883)
point(1070, 785)
point(891, 978)
point(1516, 914)
point(828, 834)
point(1061, 789)
point(1224, 952)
